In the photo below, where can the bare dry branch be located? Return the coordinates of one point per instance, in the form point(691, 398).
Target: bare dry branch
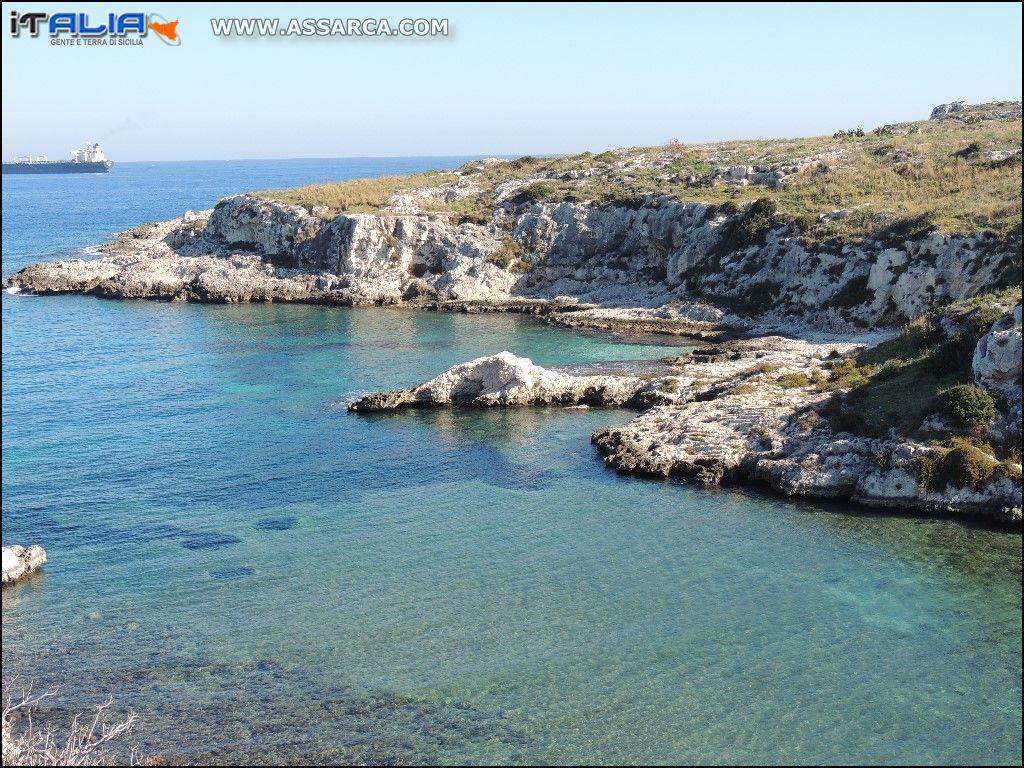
point(85, 742)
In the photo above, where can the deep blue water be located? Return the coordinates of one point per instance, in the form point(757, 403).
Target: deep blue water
point(263, 576)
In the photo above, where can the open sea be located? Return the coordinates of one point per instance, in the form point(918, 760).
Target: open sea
point(266, 578)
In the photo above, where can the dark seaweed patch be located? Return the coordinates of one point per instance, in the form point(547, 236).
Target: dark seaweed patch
point(210, 541)
point(276, 524)
point(235, 572)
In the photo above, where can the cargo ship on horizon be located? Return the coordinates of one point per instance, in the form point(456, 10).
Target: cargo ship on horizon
point(88, 159)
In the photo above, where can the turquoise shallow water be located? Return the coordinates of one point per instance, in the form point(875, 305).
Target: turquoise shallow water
point(265, 577)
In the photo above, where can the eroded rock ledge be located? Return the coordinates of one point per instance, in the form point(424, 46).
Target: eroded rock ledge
point(740, 412)
point(509, 381)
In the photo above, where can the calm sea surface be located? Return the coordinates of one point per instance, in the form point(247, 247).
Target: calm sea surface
point(264, 577)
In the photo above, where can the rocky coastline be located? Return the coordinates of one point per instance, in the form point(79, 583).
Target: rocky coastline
point(616, 268)
point(729, 414)
point(785, 305)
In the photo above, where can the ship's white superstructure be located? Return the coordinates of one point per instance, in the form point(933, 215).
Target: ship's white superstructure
point(89, 153)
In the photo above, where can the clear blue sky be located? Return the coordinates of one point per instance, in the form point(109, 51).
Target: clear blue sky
point(509, 79)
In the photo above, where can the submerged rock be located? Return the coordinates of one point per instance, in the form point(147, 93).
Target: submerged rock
point(19, 562)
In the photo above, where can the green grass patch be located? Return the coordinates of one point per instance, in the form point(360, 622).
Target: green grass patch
point(669, 386)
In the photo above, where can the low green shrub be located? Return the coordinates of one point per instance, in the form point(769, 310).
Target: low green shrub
point(855, 292)
point(969, 151)
point(928, 468)
point(511, 256)
point(793, 380)
point(537, 192)
point(522, 162)
point(669, 386)
point(846, 375)
point(743, 389)
point(963, 467)
point(1011, 470)
point(749, 229)
point(968, 406)
point(842, 419)
point(972, 441)
point(968, 467)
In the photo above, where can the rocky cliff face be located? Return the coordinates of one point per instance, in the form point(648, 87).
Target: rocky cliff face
point(689, 250)
point(997, 366)
point(394, 256)
point(997, 357)
point(662, 253)
point(657, 253)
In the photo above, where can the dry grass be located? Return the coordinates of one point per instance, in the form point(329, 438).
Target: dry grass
point(357, 195)
point(886, 178)
point(915, 176)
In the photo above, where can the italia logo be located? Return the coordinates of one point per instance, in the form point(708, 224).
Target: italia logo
point(82, 25)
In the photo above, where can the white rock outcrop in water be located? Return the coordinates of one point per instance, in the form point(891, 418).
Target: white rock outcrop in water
point(19, 562)
point(728, 413)
point(506, 380)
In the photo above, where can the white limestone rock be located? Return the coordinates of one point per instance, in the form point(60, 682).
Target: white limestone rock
point(20, 562)
point(947, 109)
point(506, 380)
point(663, 254)
point(997, 357)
